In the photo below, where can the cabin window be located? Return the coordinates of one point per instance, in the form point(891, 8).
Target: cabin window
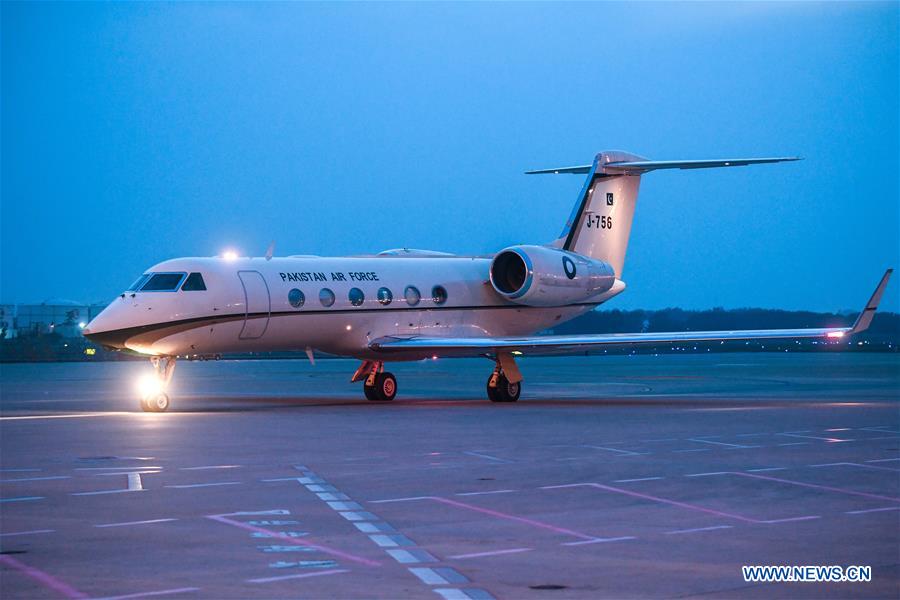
point(356, 296)
point(163, 282)
point(194, 283)
point(412, 295)
point(137, 284)
point(384, 296)
point(326, 297)
point(438, 294)
point(296, 298)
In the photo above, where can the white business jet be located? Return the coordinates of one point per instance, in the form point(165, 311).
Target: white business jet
point(411, 304)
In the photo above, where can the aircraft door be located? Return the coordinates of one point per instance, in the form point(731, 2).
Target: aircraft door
point(257, 305)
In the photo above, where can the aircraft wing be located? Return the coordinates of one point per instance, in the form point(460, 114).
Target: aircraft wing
point(570, 344)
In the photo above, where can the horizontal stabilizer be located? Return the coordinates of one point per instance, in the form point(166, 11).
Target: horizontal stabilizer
point(642, 166)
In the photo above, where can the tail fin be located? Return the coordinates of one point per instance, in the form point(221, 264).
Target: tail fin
point(600, 223)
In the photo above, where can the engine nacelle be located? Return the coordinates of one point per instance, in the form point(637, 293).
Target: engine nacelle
point(542, 276)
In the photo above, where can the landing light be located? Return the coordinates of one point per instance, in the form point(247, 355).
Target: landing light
point(148, 386)
point(230, 255)
point(835, 334)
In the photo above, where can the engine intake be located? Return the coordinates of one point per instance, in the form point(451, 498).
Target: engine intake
point(542, 276)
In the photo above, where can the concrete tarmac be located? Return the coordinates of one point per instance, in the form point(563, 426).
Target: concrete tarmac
point(618, 477)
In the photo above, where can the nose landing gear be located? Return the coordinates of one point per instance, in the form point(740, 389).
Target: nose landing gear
point(153, 390)
point(378, 384)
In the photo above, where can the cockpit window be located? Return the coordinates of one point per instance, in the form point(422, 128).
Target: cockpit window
point(194, 283)
point(138, 283)
point(163, 282)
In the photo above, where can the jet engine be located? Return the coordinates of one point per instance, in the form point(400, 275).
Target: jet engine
point(544, 276)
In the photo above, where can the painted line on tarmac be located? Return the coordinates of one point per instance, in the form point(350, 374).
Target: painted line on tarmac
point(200, 485)
point(127, 523)
point(766, 469)
point(45, 579)
point(32, 532)
point(616, 450)
point(21, 498)
point(710, 474)
point(638, 479)
point(792, 519)
point(698, 529)
point(204, 468)
point(488, 457)
point(693, 450)
point(101, 492)
point(183, 590)
point(298, 576)
point(19, 470)
point(815, 437)
point(726, 444)
point(484, 493)
point(490, 553)
point(881, 460)
point(820, 487)
point(795, 444)
point(397, 546)
point(851, 464)
point(600, 540)
point(306, 542)
point(75, 416)
point(463, 594)
point(872, 510)
point(35, 479)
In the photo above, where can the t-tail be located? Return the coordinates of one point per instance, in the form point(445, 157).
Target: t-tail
point(600, 222)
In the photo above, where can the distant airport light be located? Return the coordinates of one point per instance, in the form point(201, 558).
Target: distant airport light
point(835, 334)
point(230, 255)
point(82, 325)
point(349, 327)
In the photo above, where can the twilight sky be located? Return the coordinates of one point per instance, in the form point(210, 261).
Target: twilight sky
point(133, 133)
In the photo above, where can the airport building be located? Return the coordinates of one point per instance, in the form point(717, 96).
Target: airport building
point(65, 318)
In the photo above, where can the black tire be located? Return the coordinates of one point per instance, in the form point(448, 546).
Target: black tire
point(492, 391)
point(506, 391)
point(371, 393)
point(386, 386)
point(145, 405)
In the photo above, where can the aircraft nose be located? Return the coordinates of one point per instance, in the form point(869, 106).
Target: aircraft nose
point(102, 330)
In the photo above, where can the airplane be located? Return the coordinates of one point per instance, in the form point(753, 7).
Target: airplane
point(406, 305)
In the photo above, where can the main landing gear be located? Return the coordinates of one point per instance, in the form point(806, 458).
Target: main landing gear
point(378, 384)
point(505, 383)
point(153, 388)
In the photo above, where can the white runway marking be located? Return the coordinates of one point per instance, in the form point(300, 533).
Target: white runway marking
point(298, 576)
point(693, 450)
point(765, 469)
point(101, 492)
point(872, 510)
point(638, 479)
point(484, 493)
point(428, 576)
point(726, 444)
point(707, 474)
point(35, 479)
point(599, 541)
point(880, 460)
point(127, 523)
point(134, 482)
point(407, 557)
point(408, 498)
point(698, 529)
point(210, 467)
point(19, 470)
point(76, 416)
point(616, 450)
point(488, 457)
point(200, 485)
point(123, 469)
point(149, 594)
point(792, 519)
point(491, 553)
point(795, 444)
point(32, 532)
point(815, 437)
point(344, 505)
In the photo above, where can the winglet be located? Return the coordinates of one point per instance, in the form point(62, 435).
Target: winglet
point(868, 313)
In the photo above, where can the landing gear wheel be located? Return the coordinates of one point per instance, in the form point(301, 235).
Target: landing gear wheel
point(155, 403)
point(505, 390)
point(384, 390)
